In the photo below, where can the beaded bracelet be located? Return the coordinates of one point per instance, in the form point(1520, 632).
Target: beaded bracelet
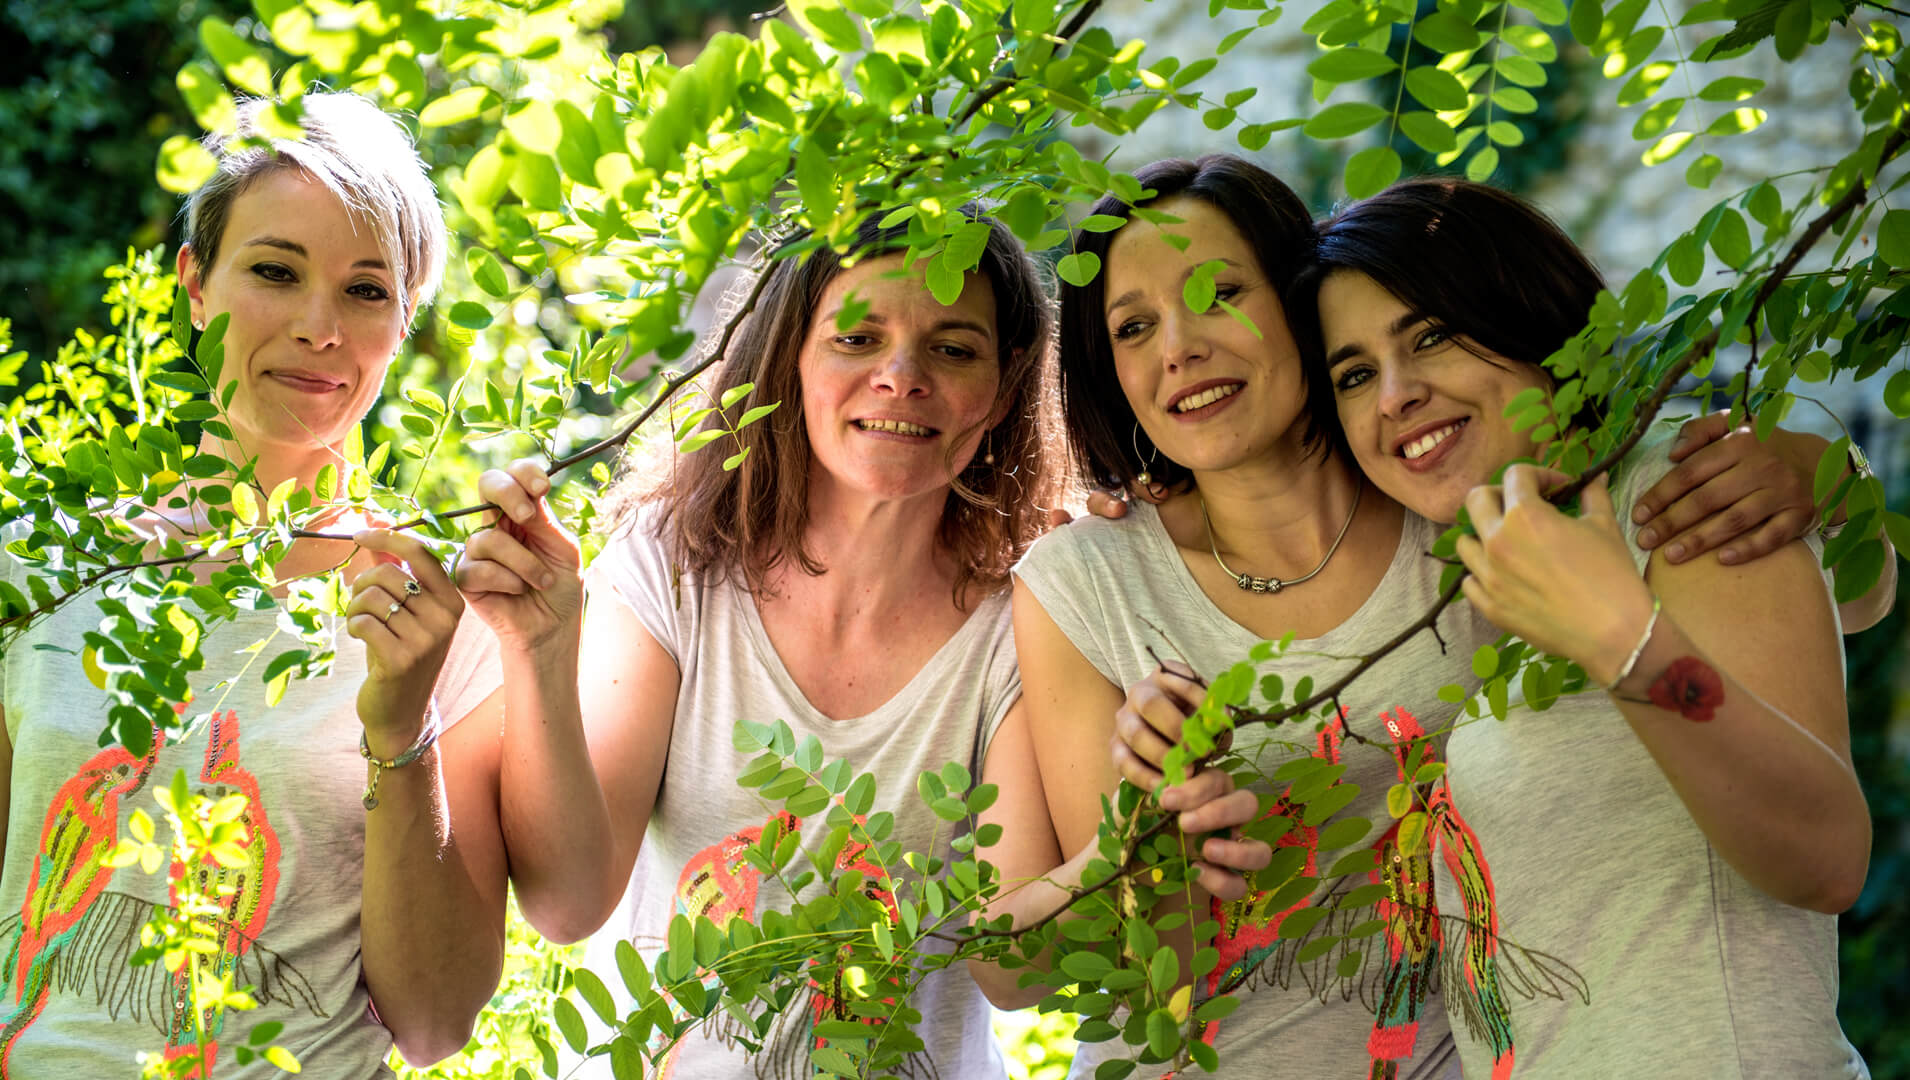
point(1639, 649)
point(374, 767)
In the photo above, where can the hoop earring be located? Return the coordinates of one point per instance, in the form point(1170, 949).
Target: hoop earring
point(1145, 478)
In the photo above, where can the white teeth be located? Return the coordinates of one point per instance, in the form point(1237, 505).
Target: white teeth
point(898, 427)
point(1206, 397)
point(1423, 445)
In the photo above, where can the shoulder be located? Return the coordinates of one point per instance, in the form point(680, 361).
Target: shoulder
point(1090, 543)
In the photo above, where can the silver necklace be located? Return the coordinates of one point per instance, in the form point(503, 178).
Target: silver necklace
point(1248, 582)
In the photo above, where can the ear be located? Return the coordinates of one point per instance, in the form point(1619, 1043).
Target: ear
point(189, 276)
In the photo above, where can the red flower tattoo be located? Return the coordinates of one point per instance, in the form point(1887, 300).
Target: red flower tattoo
point(1690, 688)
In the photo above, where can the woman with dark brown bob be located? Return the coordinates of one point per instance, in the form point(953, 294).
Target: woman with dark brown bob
point(848, 578)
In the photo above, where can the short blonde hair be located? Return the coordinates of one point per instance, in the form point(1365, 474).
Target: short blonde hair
point(361, 154)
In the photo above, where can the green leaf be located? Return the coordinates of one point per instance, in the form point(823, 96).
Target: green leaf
point(1859, 571)
point(457, 106)
point(1079, 268)
point(1684, 260)
point(488, 274)
point(1350, 65)
point(1483, 165)
point(1731, 88)
point(571, 1023)
point(470, 315)
point(1893, 238)
point(1163, 1035)
point(1731, 240)
point(1087, 967)
point(1346, 118)
point(1371, 170)
point(1588, 21)
point(243, 64)
point(1436, 89)
point(1701, 172)
point(815, 182)
point(1428, 132)
point(1830, 469)
point(1444, 32)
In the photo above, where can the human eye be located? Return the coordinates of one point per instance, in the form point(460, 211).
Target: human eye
point(271, 271)
point(1223, 291)
point(853, 341)
point(1351, 377)
point(1431, 337)
point(1127, 330)
point(370, 290)
point(957, 351)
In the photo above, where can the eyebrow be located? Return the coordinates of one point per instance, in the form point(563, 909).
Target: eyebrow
point(1132, 295)
point(1400, 325)
point(298, 249)
point(946, 324)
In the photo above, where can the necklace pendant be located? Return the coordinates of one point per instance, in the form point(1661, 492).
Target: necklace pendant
point(1259, 584)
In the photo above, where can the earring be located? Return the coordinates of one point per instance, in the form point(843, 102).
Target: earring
point(988, 458)
point(197, 325)
point(1145, 478)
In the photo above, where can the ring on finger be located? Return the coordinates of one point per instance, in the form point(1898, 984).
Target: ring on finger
point(395, 608)
point(412, 588)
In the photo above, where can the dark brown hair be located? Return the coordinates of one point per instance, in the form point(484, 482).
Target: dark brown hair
point(750, 519)
point(1490, 267)
point(1101, 423)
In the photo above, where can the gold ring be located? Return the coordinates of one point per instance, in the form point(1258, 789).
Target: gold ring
point(396, 606)
point(411, 587)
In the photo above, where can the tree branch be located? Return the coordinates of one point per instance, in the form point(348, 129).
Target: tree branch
point(1007, 77)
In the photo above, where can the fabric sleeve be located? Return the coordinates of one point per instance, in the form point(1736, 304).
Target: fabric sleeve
point(1059, 570)
point(1647, 464)
point(635, 569)
point(1003, 681)
point(471, 672)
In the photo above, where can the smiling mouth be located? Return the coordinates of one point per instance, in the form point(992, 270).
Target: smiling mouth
point(896, 427)
point(1206, 397)
point(1426, 443)
point(311, 384)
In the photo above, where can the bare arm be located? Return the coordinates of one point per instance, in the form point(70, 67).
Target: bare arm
point(433, 894)
point(6, 785)
point(1738, 695)
point(590, 699)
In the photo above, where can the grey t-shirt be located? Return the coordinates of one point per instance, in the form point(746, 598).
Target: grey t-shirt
point(688, 862)
point(1663, 960)
point(68, 923)
point(1114, 588)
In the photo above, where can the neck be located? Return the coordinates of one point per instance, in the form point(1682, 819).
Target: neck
point(1279, 518)
point(272, 466)
point(878, 553)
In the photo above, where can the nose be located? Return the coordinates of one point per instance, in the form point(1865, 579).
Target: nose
point(901, 370)
point(316, 324)
point(1401, 390)
point(1183, 338)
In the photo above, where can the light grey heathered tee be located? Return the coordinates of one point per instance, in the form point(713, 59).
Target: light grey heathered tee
point(72, 1006)
point(1108, 585)
point(689, 863)
point(1664, 961)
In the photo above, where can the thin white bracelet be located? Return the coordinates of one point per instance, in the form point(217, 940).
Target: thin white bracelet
point(1639, 649)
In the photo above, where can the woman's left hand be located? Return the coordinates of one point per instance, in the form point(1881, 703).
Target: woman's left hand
point(1566, 585)
point(406, 610)
point(1730, 492)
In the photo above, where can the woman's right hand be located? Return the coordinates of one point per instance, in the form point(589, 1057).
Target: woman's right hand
point(522, 574)
point(1146, 727)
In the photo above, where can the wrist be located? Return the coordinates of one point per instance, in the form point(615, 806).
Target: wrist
point(389, 736)
point(1626, 666)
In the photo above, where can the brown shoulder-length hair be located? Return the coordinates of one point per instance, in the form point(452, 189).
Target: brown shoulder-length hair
point(750, 519)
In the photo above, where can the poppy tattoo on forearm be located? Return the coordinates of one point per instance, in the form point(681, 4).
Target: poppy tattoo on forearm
point(1689, 687)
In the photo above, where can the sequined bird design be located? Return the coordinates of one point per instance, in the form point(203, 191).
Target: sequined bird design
point(1411, 933)
point(1472, 975)
point(69, 874)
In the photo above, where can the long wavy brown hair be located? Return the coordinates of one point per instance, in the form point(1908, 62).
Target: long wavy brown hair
point(751, 519)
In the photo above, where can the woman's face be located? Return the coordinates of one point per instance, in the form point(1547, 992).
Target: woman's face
point(895, 405)
point(1425, 417)
point(1208, 392)
point(316, 313)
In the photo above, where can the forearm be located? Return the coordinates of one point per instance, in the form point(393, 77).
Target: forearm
point(1778, 803)
point(433, 938)
point(555, 820)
